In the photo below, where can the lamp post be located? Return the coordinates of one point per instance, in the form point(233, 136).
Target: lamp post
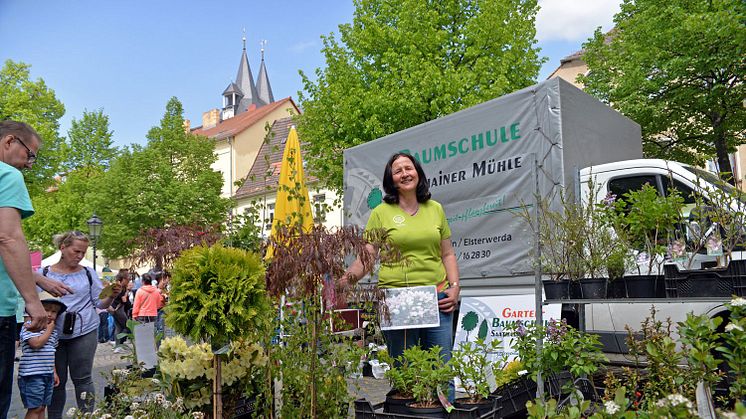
point(94, 229)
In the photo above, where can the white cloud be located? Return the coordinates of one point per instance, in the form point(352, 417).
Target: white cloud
point(302, 46)
point(573, 20)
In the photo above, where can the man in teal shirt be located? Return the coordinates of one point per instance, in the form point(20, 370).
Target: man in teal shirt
point(19, 144)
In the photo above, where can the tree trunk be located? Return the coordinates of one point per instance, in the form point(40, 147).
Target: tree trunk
point(314, 351)
point(721, 148)
point(217, 393)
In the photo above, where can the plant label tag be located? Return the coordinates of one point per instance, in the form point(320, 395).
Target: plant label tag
point(444, 401)
point(490, 376)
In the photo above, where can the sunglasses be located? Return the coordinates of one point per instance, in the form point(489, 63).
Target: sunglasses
point(30, 154)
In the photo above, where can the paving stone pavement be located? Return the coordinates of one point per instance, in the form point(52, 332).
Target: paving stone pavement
point(106, 360)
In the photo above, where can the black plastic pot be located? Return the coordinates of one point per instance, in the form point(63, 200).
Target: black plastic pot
point(483, 407)
point(644, 286)
point(556, 290)
point(593, 288)
point(393, 404)
point(426, 412)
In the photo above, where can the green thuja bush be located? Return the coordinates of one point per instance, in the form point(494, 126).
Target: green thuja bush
point(217, 294)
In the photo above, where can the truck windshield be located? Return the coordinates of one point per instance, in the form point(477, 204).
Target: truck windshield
point(714, 180)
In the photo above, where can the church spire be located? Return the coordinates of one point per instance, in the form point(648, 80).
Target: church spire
point(245, 82)
point(263, 88)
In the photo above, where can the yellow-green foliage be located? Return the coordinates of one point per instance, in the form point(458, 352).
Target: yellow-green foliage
point(509, 372)
point(217, 294)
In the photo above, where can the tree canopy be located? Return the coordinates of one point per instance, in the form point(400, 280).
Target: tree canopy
point(677, 68)
point(89, 142)
point(32, 102)
point(167, 183)
point(404, 62)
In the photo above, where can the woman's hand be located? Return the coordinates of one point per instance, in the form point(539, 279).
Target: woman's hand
point(449, 303)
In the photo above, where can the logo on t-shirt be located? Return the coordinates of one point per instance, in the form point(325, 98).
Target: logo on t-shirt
point(398, 220)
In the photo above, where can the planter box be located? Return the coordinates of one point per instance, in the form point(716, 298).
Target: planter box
point(718, 282)
point(365, 410)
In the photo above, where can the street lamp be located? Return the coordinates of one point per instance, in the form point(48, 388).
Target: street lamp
point(94, 229)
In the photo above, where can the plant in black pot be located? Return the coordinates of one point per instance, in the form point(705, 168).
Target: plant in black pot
point(431, 379)
point(560, 237)
point(472, 366)
point(401, 377)
point(647, 222)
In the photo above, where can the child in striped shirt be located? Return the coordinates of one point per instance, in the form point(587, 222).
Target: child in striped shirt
point(36, 374)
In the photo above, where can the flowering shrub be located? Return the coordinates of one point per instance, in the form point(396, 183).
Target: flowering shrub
point(188, 371)
point(565, 349)
point(431, 373)
point(471, 365)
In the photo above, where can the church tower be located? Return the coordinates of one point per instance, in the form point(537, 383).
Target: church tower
point(263, 88)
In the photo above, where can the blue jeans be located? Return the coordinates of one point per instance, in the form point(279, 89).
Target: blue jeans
point(399, 340)
point(7, 354)
point(103, 327)
point(76, 356)
point(36, 390)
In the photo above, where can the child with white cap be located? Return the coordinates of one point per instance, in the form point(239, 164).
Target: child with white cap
point(36, 374)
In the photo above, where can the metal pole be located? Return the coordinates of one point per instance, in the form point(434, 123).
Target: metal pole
point(94, 255)
point(537, 279)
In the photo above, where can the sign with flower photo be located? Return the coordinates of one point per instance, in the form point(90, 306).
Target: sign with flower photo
point(410, 307)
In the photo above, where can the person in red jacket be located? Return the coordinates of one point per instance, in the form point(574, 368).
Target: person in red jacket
point(148, 300)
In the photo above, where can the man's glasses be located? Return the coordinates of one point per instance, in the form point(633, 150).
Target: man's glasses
point(30, 154)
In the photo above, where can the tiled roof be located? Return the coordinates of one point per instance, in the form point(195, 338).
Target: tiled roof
point(233, 126)
point(265, 173)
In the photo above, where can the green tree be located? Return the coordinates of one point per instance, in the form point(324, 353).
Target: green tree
point(65, 207)
point(68, 204)
point(404, 62)
point(677, 68)
point(32, 102)
point(167, 183)
point(89, 143)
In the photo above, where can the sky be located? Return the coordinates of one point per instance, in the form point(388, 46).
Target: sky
point(130, 57)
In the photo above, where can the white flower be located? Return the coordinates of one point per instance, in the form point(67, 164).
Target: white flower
point(155, 381)
point(72, 412)
point(611, 407)
point(119, 373)
point(198, 415)
point(83, 395)
point(134, 406)
point(129, 417)
point(106, 416)
point(159, 398)
point(732, 326)
point(521, 373)
point(738, 302)
point(731, 415)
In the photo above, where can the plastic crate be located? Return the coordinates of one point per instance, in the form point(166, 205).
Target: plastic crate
point(366, 410)
point(718, 282)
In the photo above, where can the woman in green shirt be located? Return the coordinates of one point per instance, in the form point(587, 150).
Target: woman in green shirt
point(417, 225)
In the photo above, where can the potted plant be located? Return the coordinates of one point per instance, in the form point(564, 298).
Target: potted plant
point(218, 296)
point(473, 368)
point(561, 242)
point(401, 377)
point(431, 377)
point(715, 229)
point(565, 349)
point(646, 221)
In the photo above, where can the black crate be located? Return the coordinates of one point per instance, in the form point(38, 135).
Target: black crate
point(717, 282)
point(365, 410)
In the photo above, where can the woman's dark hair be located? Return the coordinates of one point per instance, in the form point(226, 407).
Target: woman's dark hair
point(392, 195)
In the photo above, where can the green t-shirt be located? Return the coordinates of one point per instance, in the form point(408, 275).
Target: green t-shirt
point(13, 194)
point(418, 238)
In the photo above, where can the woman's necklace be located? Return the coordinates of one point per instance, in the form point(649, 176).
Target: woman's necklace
point(411, 212)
